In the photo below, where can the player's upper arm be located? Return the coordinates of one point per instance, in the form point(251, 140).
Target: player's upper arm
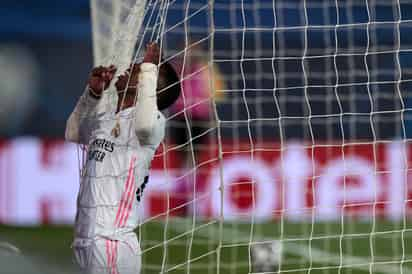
point(80, 122)
point(153, 136)
point(72, 128)
point(148, 119)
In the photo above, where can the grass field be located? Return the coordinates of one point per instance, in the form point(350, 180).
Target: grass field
point(348, 247)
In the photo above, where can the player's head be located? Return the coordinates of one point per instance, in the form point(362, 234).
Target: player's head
point(168, 84)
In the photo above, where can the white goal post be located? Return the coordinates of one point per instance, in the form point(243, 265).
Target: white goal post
point(292, 133)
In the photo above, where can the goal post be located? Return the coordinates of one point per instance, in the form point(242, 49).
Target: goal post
point(290, 142)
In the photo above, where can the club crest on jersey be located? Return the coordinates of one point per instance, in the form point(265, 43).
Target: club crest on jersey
point(116, 130)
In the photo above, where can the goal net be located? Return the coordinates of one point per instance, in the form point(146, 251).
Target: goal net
point(288, 151)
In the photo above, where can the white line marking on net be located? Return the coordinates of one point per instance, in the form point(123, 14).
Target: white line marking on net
point(315, 255)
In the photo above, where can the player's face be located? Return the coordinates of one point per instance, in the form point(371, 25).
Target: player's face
point(128, 80)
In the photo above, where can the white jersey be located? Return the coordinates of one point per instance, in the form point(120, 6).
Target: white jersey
point(117, 165)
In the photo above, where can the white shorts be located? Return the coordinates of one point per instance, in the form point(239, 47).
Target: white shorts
point(105, 256)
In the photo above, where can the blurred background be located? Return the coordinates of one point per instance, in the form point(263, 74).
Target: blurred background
point(46, 54)
point(46, 57)
point(304, 106)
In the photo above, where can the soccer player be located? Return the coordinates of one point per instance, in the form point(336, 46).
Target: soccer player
point(122, 140)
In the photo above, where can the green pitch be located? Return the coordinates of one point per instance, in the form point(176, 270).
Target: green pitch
point(343, 247)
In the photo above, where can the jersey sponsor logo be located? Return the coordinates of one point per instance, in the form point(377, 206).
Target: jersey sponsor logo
point(96, 155)
point(96, 146)
point(103, 144)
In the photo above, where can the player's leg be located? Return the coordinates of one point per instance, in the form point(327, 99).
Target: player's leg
point(92, 257)
point(128, 256)
point(107, 256)
point(82, 250)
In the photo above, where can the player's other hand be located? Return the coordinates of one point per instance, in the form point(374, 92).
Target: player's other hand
point(152, 54)
point(100, 79)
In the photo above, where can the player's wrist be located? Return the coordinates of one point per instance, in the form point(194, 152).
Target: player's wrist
point(93, 93)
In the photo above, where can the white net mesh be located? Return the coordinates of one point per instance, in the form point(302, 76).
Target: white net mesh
point(292, 130)
point(116, 25)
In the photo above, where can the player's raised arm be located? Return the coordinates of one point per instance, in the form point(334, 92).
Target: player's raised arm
point(82, 118)
point(147, 113)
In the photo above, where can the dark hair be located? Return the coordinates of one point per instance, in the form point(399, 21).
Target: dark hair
point(168, 86)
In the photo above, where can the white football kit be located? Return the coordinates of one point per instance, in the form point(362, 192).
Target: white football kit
point(120, 149)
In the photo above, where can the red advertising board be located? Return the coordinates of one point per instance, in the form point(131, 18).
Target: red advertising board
point(39, 181)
